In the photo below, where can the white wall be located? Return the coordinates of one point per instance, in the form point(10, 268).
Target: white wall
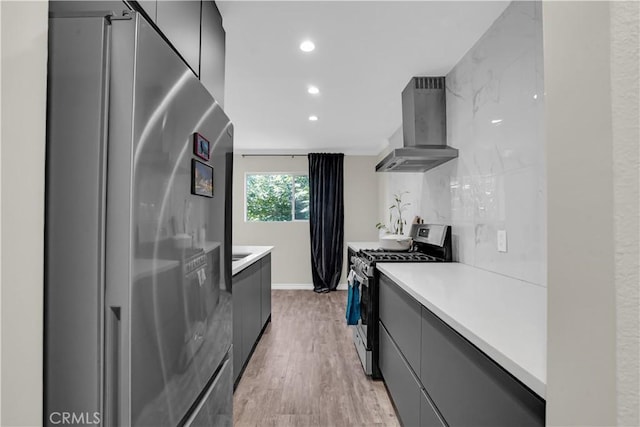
point(291, 263)
point(591, 79)
point(23, 105)
point(498, 180)
point(625, 92)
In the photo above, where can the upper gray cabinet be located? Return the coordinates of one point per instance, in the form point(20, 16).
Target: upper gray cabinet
point(149, 7)
point(212, 51)
point(180, 23)
point(195, 30)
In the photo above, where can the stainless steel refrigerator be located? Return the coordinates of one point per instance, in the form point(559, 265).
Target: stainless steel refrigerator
point(138, 231)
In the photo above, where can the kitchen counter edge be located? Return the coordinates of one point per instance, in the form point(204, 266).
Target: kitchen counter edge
point(357, 246)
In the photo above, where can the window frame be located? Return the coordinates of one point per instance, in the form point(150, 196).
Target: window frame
point(293, 201)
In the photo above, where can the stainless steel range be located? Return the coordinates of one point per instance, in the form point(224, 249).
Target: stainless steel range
point(431, 243)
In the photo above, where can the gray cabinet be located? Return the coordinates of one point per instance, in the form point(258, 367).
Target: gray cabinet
point(238, 361)
point(251, 310)
point(246, 303)
point(179, 21)
point(467, 386)
point(249, 286)
point(265, 285)
point(212, 50)
point(438, 378)
point(195, 30)
point(400, 380)
point(401, 315)
point(428, 415)
point(149, 7)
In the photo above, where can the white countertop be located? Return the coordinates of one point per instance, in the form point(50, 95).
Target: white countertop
point(356, 246)
point(504, 317)
point(256, 252)
point(209, 246)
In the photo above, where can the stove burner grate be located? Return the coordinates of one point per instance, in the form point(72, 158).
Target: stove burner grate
point(380, 255)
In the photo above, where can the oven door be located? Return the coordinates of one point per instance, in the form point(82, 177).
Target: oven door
point(360, 331)
point(365, 310)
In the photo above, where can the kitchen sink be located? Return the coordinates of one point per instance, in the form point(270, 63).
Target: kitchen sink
point(238, 257)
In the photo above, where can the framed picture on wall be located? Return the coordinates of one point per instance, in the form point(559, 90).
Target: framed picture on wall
point(201, 179)
point(201, 146)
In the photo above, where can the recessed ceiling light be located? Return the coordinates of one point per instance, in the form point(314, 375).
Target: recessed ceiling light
point(307, 46)
point(313, 118)
point(496, 121)
point(313, 90)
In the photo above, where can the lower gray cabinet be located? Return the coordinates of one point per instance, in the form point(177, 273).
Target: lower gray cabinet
point(251, 290)
point(401, 315)
point(401, 383)
point(469, 388)
point(265, 309)
point(452, 383)
point(428, 414)
point(246, 303)
point(250, 308)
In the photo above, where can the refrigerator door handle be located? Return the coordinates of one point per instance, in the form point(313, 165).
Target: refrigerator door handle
point(192, 420)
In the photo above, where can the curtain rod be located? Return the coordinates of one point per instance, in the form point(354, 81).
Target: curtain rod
point(274, 155)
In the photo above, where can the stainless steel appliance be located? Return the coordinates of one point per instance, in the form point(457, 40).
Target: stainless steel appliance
point(431, 243)
point(138, 269)
point(424, 128)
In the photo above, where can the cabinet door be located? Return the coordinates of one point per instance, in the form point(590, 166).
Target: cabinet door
point(469, 388)
point(212, 51)
point(400, 314)
point(428, 414)
point(149, 7)
point(402, 385)
point(265, 310)
point(237, 295)
point(179, 21)
point(250, 309)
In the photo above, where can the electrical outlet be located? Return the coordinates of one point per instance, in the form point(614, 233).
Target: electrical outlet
point(502, 240)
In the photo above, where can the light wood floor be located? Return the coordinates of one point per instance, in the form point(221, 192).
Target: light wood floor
point(305, 370)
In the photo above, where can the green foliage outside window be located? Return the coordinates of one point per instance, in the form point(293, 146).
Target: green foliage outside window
point(277, 197)
point(301, 197)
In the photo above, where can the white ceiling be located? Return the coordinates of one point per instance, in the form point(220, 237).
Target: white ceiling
point(365, 54)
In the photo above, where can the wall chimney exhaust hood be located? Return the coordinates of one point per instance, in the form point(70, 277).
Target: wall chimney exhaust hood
point(424, 129)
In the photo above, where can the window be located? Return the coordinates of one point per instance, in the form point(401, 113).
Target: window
point(276, 197)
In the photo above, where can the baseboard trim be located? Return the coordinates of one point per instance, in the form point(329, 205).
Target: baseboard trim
point(301, 286)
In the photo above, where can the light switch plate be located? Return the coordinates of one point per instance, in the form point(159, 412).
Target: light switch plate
point(502, 240)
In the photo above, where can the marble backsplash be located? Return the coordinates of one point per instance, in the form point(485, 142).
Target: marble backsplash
point(495, 99)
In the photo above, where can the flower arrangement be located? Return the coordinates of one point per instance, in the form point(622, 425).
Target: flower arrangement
point(396, 222)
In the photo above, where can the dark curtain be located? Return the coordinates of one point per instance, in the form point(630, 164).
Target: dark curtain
point(326, 219)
